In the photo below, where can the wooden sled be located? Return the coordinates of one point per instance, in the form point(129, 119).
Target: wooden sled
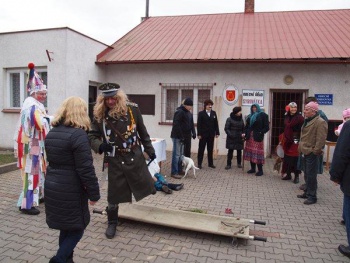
point(219, 225)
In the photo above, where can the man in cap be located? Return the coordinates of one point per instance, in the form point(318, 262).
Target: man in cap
point(312, 140)
point(117, 131)
point(181, 130)
point(207, 131)
point(32, 127)
point(323, 116)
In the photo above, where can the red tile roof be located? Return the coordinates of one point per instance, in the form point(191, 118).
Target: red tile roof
point(276, 36)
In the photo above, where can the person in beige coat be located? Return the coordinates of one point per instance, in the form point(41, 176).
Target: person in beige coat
point(312, 140)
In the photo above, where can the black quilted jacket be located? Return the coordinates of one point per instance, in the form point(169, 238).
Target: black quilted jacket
point(70, 180)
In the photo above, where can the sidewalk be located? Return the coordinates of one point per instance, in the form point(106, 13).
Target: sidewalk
point(295, 232)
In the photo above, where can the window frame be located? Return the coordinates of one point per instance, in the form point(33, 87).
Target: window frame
point(195, 87)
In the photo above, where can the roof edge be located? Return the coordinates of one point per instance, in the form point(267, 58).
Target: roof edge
point(298, 61)
point(51, 29)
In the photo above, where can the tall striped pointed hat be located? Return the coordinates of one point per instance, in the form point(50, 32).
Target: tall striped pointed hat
point(34, 82)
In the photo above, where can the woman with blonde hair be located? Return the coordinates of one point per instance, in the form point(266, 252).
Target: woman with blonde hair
point(71, 181)
point(118, 131)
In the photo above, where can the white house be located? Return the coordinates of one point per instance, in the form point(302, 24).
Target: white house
point(70, 72)
point(235, 59)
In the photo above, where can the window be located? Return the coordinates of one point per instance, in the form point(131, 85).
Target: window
point(146, 103)
point(174, 93)
point(17, 82)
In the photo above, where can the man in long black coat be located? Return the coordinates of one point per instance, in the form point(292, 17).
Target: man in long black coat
point(207, 131)
point(117, 130)
point(340, 173)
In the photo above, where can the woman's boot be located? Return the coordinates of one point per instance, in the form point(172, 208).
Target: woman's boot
point(260, 170)
point(296, 178)
point(239, 159)
point(112, 214)
point(253, 167)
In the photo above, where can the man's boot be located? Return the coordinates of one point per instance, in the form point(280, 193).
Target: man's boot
point(253, 167)
point(112, 214)
point(228, 166)
point(296, 178)
point(260, 170)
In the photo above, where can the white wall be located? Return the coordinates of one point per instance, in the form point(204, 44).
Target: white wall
point(145, 79)
point(69, 73)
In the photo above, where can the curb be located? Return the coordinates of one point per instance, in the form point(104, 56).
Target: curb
point(8, 168)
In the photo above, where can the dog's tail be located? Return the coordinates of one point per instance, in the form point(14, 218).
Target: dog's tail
point(195, 167)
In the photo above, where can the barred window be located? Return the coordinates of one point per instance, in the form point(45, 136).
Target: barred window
point(17, 82)
point(174, 93)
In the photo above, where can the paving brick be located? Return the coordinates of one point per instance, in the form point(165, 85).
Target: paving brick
point(210, 260)
point(276, 257)
point(246, 259)
point(180, 256)
point(13, 254)
point(190, 251)
point(196, 259)
point(172, 248)
point(166, 260)
point(27, 257)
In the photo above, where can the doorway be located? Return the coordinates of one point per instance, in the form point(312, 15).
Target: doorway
point(280, 99)
point(92, 100)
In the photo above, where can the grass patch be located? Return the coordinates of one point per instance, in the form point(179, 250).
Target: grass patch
point(7, 158)
point(196, 210)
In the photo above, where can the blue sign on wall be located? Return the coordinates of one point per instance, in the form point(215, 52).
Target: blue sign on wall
point(324, 99)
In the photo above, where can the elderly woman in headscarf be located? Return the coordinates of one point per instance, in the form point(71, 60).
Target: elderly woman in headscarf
point(257, 124)
point(293, 121)
point(346, 117)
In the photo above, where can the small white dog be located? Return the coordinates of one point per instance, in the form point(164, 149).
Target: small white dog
point(188, 164)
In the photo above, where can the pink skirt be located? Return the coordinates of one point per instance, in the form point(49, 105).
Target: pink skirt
point(254, 151)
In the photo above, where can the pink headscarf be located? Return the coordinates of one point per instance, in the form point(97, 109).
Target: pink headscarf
point(346, 113)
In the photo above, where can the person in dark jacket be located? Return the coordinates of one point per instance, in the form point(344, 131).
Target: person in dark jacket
point(257, 125)
point(207, 131)
point(293, 120)
point(70, 180)
point(118, 131)
point(340, 173)
point(181, 132)
point(188, 135)
point(234, 128)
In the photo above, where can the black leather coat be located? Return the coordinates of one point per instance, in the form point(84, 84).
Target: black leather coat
point(182, 124)
point(70, 179)
point(234, 128)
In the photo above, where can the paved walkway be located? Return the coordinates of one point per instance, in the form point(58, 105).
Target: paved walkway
point(295, 232)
